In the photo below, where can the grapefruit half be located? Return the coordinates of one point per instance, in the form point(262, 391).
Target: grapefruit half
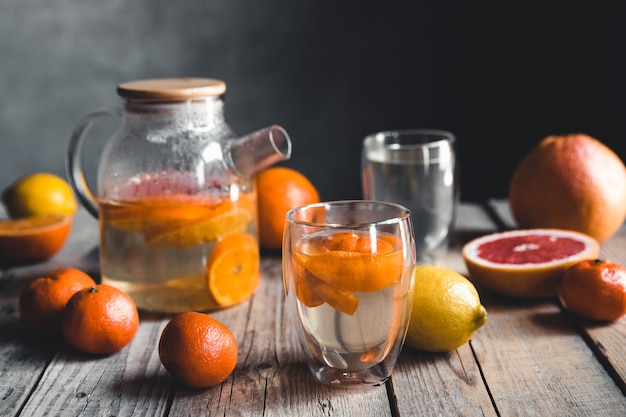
point(526, 263)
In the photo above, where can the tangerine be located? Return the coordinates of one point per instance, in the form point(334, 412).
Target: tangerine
point(198, 350)
point(570, 182)
point(233, 269)
point(595, 289)
point(42, 301)
point(100, 320)
point(279, 190)
point(34, 238)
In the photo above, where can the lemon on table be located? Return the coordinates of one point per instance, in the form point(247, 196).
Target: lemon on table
point(446, 310)
point(39, 194)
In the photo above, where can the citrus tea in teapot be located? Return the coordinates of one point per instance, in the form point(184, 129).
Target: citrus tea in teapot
point(176, 197)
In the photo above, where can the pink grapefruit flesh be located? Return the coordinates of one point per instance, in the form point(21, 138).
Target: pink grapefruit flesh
point(526, 263)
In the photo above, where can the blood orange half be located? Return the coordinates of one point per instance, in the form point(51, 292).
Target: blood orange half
point(526, 263)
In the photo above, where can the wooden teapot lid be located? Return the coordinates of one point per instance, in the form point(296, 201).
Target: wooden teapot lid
point(171, 89)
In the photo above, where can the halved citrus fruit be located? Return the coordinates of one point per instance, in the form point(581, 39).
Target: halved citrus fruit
point(526, 263)
point(233, 269)
point(34, 238)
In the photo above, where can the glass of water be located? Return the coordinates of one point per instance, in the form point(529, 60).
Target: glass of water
point(417, 169)
point(348, 276)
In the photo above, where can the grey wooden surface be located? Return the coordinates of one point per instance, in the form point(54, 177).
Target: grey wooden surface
point(531, 359)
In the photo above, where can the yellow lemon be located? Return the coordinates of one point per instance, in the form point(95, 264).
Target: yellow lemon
point(39, 194)
point(446, 310)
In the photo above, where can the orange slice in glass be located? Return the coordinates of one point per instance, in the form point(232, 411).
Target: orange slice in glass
point(304, 288)
point(233, 269)
point(354, 262)
point(344, 301)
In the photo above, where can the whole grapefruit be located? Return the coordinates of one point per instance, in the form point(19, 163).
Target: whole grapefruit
point(572, 182)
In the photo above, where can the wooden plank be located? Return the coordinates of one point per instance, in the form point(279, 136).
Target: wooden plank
point(440, 384)
point(607, 340)
point(534, 360)
point(271, 377)
point(430, 384)
point(24, 355)
point(129, 382)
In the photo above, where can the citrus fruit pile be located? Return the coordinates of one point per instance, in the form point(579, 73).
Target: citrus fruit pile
point(526, 263)
point(96, 319)
point(571, 182)
point(99, 319)
point(446, 310)
point(331, 268)
point(40, 207)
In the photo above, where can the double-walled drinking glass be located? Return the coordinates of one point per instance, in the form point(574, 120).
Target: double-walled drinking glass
point(348, 276)
point(416, 168)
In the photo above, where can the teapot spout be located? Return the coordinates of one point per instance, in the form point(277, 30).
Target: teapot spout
point(258, 150)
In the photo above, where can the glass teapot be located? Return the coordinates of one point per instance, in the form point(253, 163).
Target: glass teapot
point(176, 197)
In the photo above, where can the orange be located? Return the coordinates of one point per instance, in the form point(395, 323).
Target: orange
point(100, 320)
point(526, 263)
point(570, 182)
point(33, 238)
point(37, 194)
point(198, 350)
point(331, 268)
point(595, 289)
point(233, 269)
point(42, 301)
point(279, 190)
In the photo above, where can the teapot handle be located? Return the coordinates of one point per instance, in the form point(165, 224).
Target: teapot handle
point(73, 161)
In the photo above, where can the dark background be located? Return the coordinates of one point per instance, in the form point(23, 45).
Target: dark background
point(500, 75)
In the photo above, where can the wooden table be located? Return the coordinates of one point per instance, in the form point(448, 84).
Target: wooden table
point(531, 359)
